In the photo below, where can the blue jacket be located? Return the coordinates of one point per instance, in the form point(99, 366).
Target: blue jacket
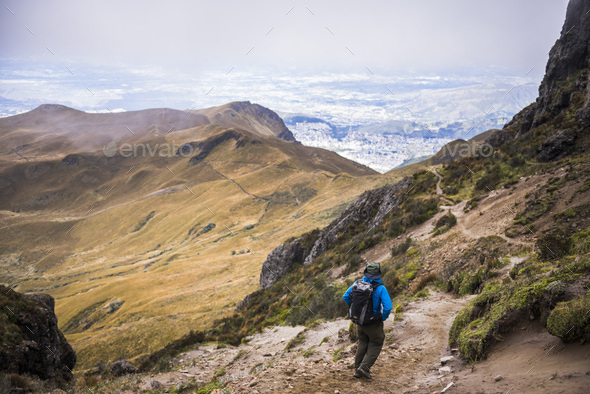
point(381, 299)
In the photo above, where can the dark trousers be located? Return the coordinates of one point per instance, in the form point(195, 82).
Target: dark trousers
point(370, 343)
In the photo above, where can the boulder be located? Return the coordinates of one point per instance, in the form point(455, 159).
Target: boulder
point(122, 367)
point(32, 343)
point(279, 261)
point(499, 137)
point(557, 146)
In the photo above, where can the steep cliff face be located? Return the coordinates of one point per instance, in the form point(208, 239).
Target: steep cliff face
point(370, 208)
point(31, 343)
point(569, 56)
point(561, 113)
point(568, 59)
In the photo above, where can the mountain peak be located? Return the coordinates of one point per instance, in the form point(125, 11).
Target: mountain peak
point(251, 117)
point(53, 108)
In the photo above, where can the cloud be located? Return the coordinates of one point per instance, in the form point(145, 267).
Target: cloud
point(330, 35)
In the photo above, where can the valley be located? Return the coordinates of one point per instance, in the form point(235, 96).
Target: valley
point(174, 245)
point(208, 250)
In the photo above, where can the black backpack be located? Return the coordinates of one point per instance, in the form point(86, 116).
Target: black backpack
point(361, 307)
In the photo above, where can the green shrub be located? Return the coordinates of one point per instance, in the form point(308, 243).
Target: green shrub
point(554, 244)
point(297, 340)
point(490, 179)
point(570, 320)
point(450, 190)
point(516, 161)
point(402, 247)
point(390, 280)
point(446, 220)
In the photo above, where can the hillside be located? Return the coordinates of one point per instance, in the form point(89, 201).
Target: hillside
point(486, 257)
point(222, 264)
point(139, 248)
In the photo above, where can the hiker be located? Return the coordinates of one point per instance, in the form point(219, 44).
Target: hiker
point(369, 306)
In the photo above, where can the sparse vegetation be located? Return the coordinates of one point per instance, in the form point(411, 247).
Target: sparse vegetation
point(144, 221)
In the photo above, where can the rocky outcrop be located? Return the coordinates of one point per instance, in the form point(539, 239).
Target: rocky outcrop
point(566, 76)
point(499, 138)
point(557, 146)
point(31, 341)
point(279, 261)
point(370, 208)
point(569, 55)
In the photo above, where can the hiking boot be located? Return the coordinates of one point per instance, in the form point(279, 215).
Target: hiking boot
point(357, 374)
point(364, 372)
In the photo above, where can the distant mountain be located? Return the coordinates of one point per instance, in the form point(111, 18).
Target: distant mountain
point(59, 130)
point(248, 116)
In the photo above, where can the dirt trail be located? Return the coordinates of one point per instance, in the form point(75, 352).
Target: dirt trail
point(410, 360)
point(528, 360)
point(322, 360)
point(492, 216)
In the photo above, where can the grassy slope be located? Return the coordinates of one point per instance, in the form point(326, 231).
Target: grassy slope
point(168, 282)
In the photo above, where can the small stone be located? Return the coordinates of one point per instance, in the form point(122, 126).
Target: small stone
point(336, 391)
point(448, 387)
point(498, 378)
point(253, 383)
point(446, 359)
point(445, 370)
point(155, 385)
point(267, 355)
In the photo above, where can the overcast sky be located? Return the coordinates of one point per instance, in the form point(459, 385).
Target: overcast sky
point(384, 36)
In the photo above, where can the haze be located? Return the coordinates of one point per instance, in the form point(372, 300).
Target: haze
point(380, 36)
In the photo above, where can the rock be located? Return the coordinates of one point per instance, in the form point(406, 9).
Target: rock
point(32, 343)
point(445, 370)
point(246, 300)
point(448, 387)
point(253, 383)
point(370, 209)
point(279, 261)
point(498, 378)
point(342, 334)
point(155, 385)
point(568, 56)
point(557, 146)
point(122, 367)
point(499, 138)
point(446, 359)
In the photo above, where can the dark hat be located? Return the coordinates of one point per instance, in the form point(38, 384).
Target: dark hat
point(373, 271)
